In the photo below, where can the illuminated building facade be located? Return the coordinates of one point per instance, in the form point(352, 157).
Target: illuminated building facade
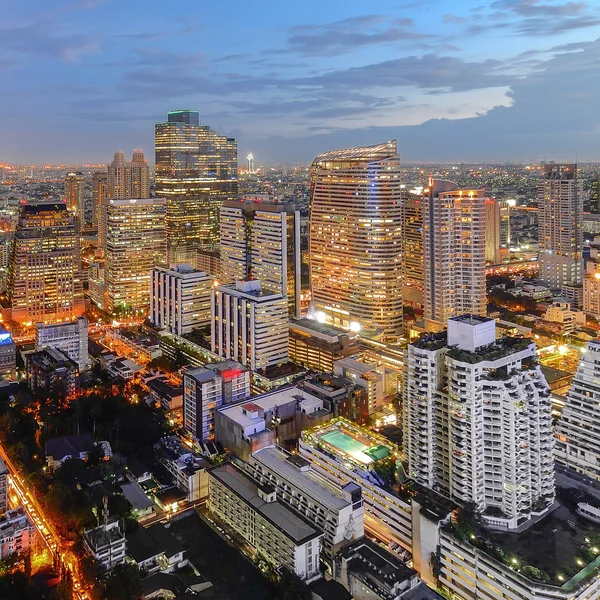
point(196, 170)
point(356, 239)
point(75, 193)
point(99, 191)
point(260, 239)
point(135, 244)
point(412, 249)
point(560, 238)
point(591, 280)
point(497, 227)
point(454, 251)
point(43, 279)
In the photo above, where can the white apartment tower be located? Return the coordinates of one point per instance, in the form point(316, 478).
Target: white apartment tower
point(454, 251)
point(180, 298)
point(560, 208)
point(478, 423)
point(250, 324)
point(356, 239)
point(260, 239)
point(577, 431)
point(71, 337)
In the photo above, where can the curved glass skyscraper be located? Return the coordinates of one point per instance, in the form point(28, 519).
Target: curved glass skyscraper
point(356, 239)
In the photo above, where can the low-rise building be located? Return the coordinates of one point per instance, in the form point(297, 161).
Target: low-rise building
point(141, 505)
point(567, 319)
point(75, 446)
point(155, 549)
point(280, 416)
point(167, 395)
point(17, 533)
point(253, 511)
point(367, 376)
point(70, 337)
point(144, 345)
point(3, 487)
point(106, 544)
point(52, 371)
point(124, 368)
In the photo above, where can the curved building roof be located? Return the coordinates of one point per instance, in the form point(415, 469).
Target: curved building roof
point(364, 153)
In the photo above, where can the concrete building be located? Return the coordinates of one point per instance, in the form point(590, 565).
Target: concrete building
point(71, 337)
point(454, 240)
point(560, 208)
point(497, 227)
point(205, 390)
point(478, 423)
point(356, 239)
point(8, 355)
point(250, 324)
point(17, 533)
point(335, 510)
point(3, 487)
point(180, 298)
point(365, 375)
point(52, 371)
point(106, 544)
point(75, 193)
point(99, 195)
point(253, 511)
point(412, 249)
point(569, 320)
point(591, 280)
point(43, 279)
point(135, 244)
point(317, 345)
point(274, 417)
point(260, 239)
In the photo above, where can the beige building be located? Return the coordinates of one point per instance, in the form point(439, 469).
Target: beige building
point(496, 231)
point(356, 239)
point(412, 249)
point(75, 193)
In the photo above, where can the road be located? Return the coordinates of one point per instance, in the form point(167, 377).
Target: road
point(45, 528)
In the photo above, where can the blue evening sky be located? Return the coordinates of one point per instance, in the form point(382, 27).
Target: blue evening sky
point(452, 80)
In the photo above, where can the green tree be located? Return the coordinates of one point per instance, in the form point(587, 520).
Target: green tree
point(123, 583)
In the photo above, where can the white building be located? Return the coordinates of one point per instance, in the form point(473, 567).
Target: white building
point(253, 511)
point(454, 249)
point(207, 389)
point(366, 376)
point(478, 423)
point(250, 324)
point(180, 298)
point(260, 238)
point(569, 320)
point(577, 431)
point(560, 213)
point(17, 533)
point(70, 337)
point(336, 510)
point(106, 544)
point(591, 280)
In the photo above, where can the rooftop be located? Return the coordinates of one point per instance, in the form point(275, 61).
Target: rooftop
point(363, 154)
point(294, 527)
point(325, 331)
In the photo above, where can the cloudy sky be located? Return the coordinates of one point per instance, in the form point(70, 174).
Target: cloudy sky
point(461, 80)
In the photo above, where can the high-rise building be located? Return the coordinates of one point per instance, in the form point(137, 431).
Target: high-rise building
point(454, 244)
point(250, 324)
point(412, 249)
point(135, 244)
point(356, 239)
point(180, 298)
point(196, 170)
point(577, 433)
point(75, 193)
point(118, 177)
point(497, 227)
point(560, 208)
point(43, 279)
point(71, 337)
point(140, 176)
point(591, 280)
point(99, 191)
point(207, 389)
point(478, 423)
point(260, 239)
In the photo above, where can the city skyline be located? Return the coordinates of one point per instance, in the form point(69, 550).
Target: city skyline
point(343, 76)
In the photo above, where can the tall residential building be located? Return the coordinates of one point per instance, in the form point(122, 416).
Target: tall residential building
point(412, 249)
point(207, 389)
point(454, 243)
point(118, 177)
point(356, 238)
point(250, 325)
point(71, 337)
point(560, 208)
point(75, 193)
point(478, 422)
point(591, 280)
point(140, 176)
point(497, 227)
point(577, 431)
point(260, 239)
point(43, 279)
point(180, 298)
point(99, 192)
point(135, 244)
point(196, 170)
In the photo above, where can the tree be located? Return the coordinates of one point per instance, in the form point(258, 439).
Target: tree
point(291, 587)
point(123, 583)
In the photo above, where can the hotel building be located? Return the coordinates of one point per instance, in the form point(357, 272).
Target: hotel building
point(356, 239)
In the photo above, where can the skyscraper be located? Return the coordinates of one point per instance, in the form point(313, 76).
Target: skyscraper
point(356, 238)
point(591, 280)
point(99, 191)
point(497, 228)
point(140, 176)
point(412, 249)
point(75, 193)
point(478, 423)
point(260, 239)
point(135, 244)
point(560, 208)
point(196, 170)
point(454, 251)
point(43, 279)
